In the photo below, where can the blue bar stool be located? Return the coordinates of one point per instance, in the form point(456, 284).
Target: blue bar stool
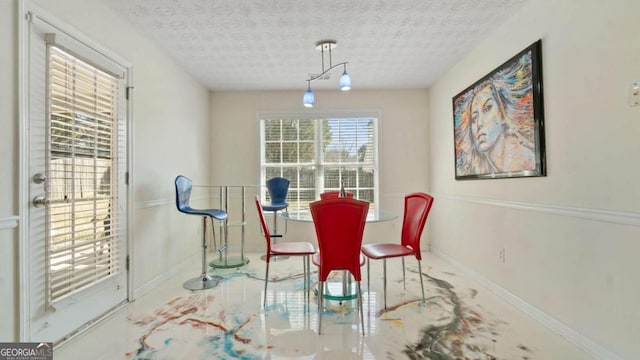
point(183, 194)
point(278, 187)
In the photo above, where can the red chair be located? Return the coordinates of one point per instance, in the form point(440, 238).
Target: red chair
point(333, 195)
point(304, 249)
point(416, 210)
point(339, 227)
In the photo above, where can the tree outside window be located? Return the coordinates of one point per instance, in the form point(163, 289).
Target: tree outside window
point(319, 155)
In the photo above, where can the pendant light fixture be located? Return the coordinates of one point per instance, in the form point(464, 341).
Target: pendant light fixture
point(345, 80)
point(309, 99)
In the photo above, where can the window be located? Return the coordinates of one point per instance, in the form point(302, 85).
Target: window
point(320, 154)
point(82, 247)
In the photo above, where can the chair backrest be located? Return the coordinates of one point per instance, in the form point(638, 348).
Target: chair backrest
point(183, 192)
point(333, 195)
point(264, 228)
point(416, 210)
point(339, 227)
point(278, 188)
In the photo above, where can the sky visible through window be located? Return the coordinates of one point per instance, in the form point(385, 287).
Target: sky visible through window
point(360, 134)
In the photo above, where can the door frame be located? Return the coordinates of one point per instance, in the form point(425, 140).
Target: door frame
point(25, 9)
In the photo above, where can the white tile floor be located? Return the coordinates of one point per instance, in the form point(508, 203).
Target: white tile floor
point(460, 320)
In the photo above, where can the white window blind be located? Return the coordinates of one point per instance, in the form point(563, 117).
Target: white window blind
point(319, 155)
point(82, 220)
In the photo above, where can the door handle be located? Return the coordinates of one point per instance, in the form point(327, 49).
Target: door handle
point(40, 201)
point(39, 178)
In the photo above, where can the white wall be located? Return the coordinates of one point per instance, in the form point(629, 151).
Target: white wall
point(571, 238)
point(403, 134)
point(171, 136)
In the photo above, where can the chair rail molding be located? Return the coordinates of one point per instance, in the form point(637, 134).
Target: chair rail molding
point(9, 222)
point(145, 204)
point(608, 216)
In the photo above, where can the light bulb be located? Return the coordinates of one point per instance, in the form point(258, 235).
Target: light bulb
point(309, 99)
point(345, 81)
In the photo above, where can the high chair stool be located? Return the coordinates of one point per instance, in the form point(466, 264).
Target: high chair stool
point(183, 194)
point(278, 187)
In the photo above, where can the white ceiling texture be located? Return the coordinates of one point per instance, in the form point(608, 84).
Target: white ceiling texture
point(270, 44)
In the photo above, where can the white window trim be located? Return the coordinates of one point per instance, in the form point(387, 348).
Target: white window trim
point(321, 114)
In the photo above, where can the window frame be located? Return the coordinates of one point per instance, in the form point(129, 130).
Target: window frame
point(318, 161)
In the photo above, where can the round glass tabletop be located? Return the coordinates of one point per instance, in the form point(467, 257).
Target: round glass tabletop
point(375, 215)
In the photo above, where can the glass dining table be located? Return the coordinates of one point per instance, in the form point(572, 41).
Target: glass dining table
point(304, 215)
point(332, 289)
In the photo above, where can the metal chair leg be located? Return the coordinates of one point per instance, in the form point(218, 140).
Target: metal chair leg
point(384, 280)
point(421, 284)
point(213, 234)
point(204, 281)
point(404, 281)
point(226, 241)
point(360, 303)
point(320, 305)
point(266, 281)
point(368, 276)
point(275, 222)
point(308, 279)
point(304, 278)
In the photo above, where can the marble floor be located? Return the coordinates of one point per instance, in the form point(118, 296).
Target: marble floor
point(459, 320)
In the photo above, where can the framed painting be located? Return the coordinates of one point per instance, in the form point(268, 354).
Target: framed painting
point(498, 122)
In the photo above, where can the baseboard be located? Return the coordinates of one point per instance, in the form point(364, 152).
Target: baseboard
point(571, 335)
point(169, 273)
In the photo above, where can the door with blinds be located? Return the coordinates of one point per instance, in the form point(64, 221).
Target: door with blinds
point(77, 270)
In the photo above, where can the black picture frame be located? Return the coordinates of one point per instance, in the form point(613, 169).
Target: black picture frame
point(498, 121)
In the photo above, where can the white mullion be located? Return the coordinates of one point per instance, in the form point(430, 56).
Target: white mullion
point(47, 220)
point(318, 137)
point(357, 185)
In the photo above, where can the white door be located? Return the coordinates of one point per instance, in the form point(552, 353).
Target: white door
point(75, 256)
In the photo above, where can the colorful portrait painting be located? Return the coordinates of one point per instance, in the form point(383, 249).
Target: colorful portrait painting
point(498, 121)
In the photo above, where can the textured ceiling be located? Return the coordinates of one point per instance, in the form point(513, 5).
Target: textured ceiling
point(270, 44)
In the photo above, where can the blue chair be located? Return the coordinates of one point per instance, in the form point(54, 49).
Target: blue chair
point(278, 187)
point(183, 194)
